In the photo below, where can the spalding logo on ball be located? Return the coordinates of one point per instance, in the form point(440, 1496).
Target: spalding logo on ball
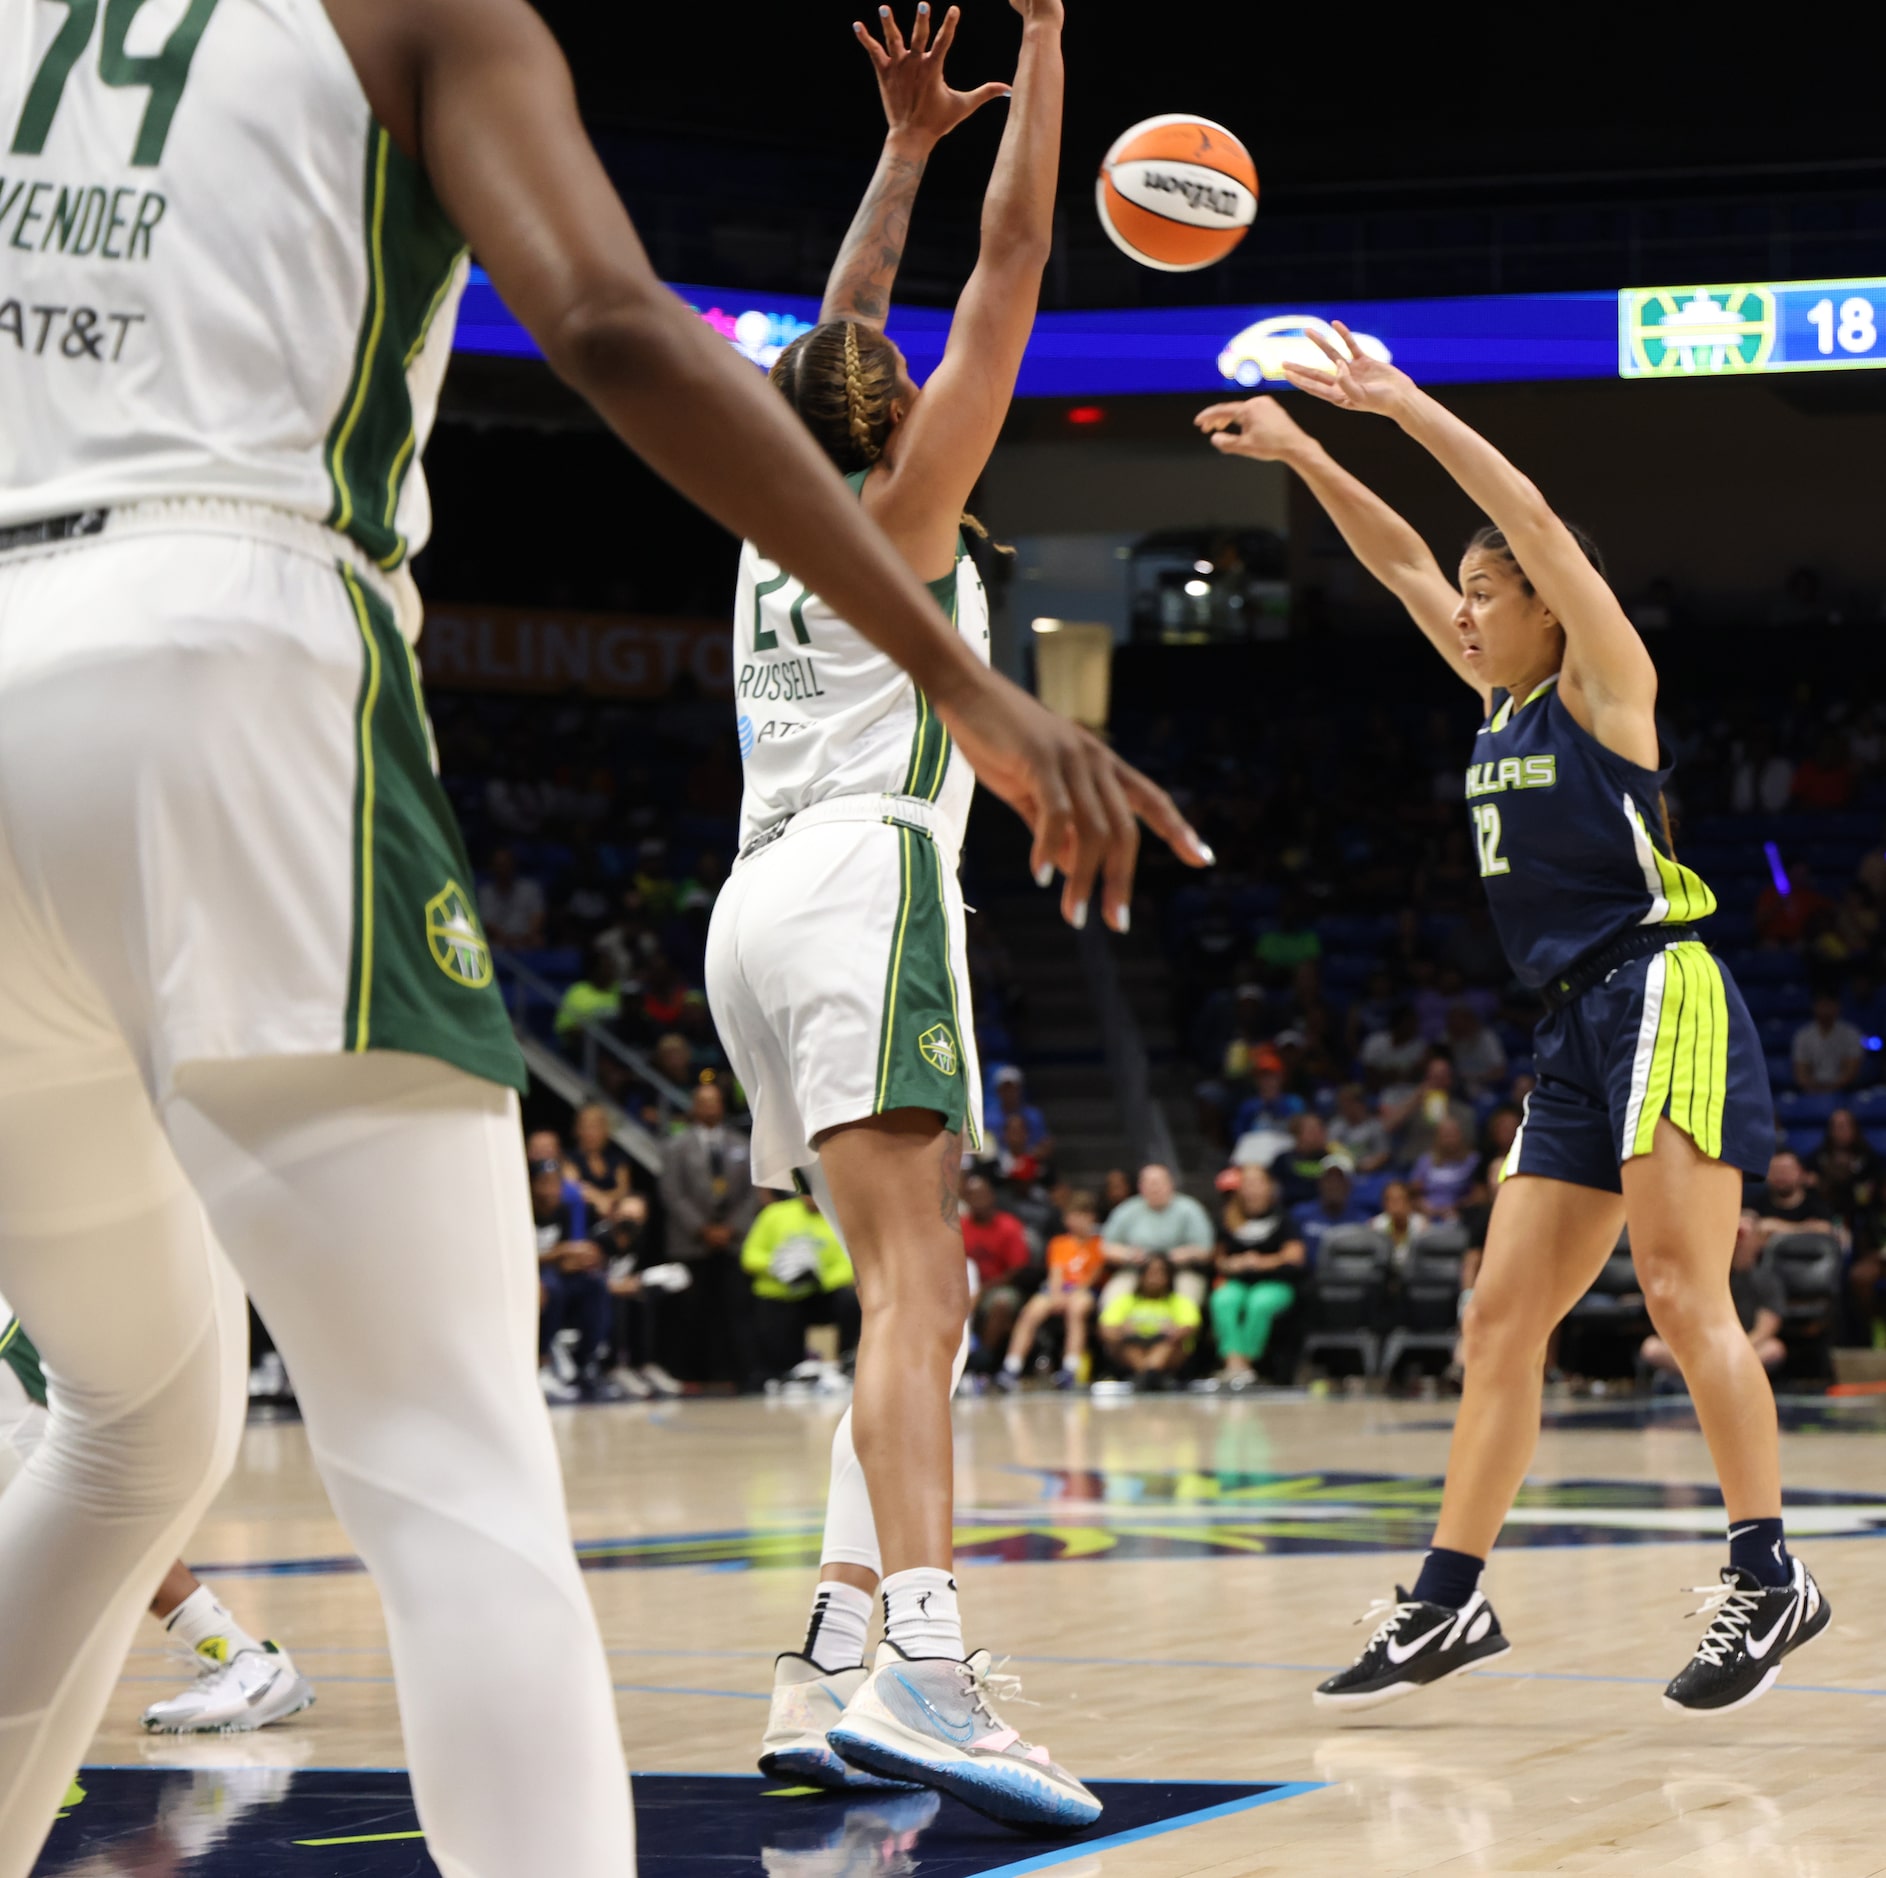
point(1177, 192)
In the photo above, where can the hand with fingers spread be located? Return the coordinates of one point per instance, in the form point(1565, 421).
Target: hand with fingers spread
point(1082, 804)
point(1354, 382)
point(1255, 427)
point(918, 100)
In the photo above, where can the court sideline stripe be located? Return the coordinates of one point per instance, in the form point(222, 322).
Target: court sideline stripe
point(1045, 1861)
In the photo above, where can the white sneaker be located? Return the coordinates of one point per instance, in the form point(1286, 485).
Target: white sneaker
point(930, 1719)
point(807, 1701)
point(632, 1383)
point(252, 1690)
point(659, 1380)
point(555, 1389)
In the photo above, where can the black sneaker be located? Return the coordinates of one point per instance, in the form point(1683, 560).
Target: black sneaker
point(1752, 1627)
point(1415, 1644)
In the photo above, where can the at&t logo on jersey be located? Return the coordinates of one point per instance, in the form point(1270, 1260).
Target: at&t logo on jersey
point(1512, 772)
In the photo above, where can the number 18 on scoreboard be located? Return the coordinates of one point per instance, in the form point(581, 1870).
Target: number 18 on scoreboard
point(1782, 326)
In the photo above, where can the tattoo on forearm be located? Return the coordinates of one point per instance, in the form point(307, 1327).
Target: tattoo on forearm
point(952, 1196)
point(866, 268)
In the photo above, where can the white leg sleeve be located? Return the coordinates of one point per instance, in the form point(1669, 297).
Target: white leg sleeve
point(377, 1209)
point(141, 1327)
point(851, 1533)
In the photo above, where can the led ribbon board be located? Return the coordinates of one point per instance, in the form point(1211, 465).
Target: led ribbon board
point(1723, 332)
point(1643, 332)
point(1213, 349)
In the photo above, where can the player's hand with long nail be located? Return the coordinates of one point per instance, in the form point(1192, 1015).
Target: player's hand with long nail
point(1355, 382)
point(1082, 804)
point(1255, 427)
point(918, 100)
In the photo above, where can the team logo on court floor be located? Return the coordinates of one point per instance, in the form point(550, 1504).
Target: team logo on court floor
point(458, 948)
point(939, 1049)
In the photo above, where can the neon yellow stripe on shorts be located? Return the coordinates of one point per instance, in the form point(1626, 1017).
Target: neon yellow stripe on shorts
point(1689, 1064)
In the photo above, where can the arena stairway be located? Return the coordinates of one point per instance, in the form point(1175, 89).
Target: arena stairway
point(1064, 1046)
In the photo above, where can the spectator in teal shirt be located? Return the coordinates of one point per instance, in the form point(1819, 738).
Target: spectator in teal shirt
point(1159, 1218)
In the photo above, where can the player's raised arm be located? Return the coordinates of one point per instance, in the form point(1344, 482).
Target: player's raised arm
point(944, 445)
point(480, 93)
point(919, 109)
point(1380, 539)
point(1609, 681)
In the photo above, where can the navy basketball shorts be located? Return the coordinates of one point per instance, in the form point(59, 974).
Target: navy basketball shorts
point(1665, 1034)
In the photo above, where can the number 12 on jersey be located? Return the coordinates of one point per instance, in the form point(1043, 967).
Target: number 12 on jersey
point(1486, 835)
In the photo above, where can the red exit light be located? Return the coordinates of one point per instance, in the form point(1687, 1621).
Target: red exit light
point(1086, 414)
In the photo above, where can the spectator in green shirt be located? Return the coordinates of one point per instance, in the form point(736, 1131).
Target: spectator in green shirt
point(1291, 942)
point(594, 998)
point(1149, 1331)
point(1159, 1218)
point(801, 1275)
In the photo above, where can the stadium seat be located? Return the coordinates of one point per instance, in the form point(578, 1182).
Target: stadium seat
point(1350, 1280)
point(1609, 1319)
point(1794, 1107)
point(1808, 1265)
point(1427, 1316)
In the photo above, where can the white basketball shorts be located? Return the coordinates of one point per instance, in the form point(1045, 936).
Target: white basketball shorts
point(837, 975)
point(220, 831)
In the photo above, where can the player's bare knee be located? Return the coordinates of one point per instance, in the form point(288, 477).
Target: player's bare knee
point(1681, 1311)
point(1500, 1333)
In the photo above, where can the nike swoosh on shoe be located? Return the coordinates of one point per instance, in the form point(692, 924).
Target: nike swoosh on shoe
point(1400, 1653)
point(1759, 1649)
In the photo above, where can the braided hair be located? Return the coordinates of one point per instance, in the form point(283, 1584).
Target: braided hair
point(842, 380)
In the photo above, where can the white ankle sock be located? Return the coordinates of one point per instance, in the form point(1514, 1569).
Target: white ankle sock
point(1013, 1364)
point(920, 1614)
point(835, 1632)
point(201, 1623)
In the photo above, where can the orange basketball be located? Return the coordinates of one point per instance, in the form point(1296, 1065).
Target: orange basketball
point(1177, 192)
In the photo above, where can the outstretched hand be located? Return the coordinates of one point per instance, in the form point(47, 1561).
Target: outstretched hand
point(1082, 804)
point(1253, 427)
point(917, 98)
point(1355, 382)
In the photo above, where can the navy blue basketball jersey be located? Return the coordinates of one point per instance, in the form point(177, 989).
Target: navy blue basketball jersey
point(1569, 838)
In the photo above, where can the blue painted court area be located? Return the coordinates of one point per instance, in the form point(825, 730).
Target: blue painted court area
point(258, 1822)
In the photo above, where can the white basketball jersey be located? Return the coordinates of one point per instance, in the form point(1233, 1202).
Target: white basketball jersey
point(219, 278)
point(822, 712)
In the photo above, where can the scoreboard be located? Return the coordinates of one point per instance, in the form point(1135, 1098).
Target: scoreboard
point(1780, 326)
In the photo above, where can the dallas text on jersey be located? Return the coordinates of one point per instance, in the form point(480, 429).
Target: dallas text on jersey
point(1512, 772)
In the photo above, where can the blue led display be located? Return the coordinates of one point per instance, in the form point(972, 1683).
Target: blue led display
point(1488, 338)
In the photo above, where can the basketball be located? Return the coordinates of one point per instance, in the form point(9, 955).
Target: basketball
point(1176, 192)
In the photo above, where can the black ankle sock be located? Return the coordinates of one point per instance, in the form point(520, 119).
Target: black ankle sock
point(1448, 1578)
point(1760, 1548)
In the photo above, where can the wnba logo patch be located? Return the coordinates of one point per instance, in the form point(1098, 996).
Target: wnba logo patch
point(457, 946)
point(939, 1049)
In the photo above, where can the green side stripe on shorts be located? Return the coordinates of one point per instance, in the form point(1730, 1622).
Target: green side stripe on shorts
point(921, 1060)
point(1689, 1064)
point(19, 1355)
point(413, 253)
point(930, 742)
point(420, 974)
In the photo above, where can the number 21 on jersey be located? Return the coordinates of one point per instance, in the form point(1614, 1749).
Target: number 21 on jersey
point(1486, 836)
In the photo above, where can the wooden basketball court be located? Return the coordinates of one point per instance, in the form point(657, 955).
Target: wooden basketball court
point(1170, 1576)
